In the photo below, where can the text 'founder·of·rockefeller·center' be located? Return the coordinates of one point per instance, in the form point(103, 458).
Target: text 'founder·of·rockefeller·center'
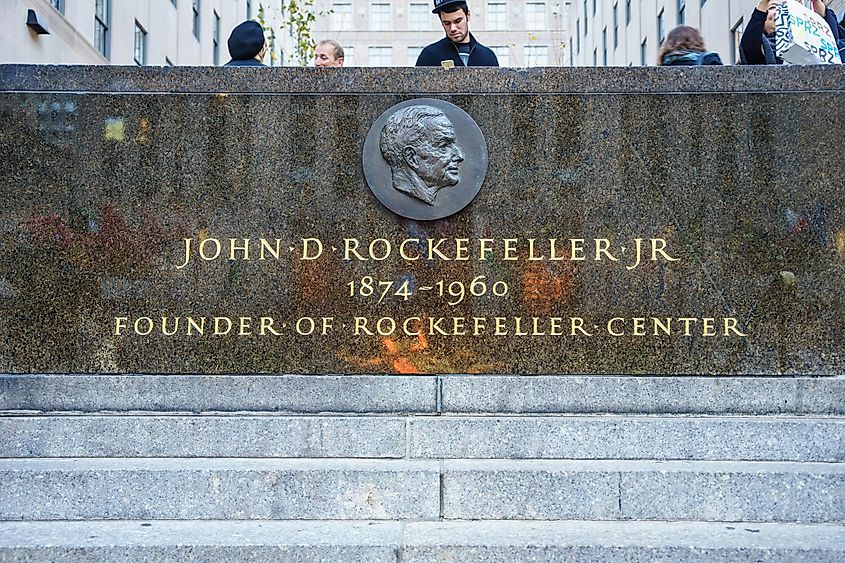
point(459, 47)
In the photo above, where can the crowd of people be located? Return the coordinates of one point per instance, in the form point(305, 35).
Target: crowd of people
point(683, 46)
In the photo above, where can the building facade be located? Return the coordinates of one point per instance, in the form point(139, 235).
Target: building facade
point(630, 32)
point(126, 32)
point(393, 32)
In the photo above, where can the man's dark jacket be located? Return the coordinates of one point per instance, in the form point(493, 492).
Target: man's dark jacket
point(244, 62)
point(445, 50)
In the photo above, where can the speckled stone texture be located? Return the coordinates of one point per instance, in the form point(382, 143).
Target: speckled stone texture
point(107, 170)
point(571, 541)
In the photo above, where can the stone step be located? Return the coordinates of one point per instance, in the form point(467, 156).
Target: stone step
point(427, 437)
point(73, 489)
point(424, 394)
point(371, 541)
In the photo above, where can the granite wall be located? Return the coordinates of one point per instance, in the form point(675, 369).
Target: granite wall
point(727, 181)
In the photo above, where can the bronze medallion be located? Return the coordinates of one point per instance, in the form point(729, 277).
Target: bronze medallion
point(425, 159)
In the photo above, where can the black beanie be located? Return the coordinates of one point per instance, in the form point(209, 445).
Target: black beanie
point(246, 40)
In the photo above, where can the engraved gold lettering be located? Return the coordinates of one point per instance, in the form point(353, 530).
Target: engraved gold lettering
point(164, 326)
point(666, 328)
point(478, 325)
point(536, 329)
point(187, 254)
point(361, 326)
point(638, 247)
point(531, 255)
point(518, 328)
point(510, 249)
point(639, 326)
point(309, 324)
point(458, 326)
point(553, 255)
point(484, 249)
point(350, 246)
point(407, 331)
point(307, 243)
point(402, 252)
point(610, 329)
point(214, 242)
point(273, 251)
point(267, 326)
point(603, 248)
point(556, 326)
point(687, 321)
point(576, 246)
point(434, 325)
point(389, 322)
point(244, 328)
point(657, 247)
point(500, 329)
point(217, 322)
point(327, 324)
point(149, 322)
point(730, 326)
point(576, 324)
point(387, 249)
point(707, 328)
point(233, 247)
point(434, 248)
point(120, 324)
point(193, 326)
point(462, 249)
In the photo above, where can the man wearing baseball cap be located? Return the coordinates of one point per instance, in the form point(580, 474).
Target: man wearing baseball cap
point(459, 47)
point(247, 45)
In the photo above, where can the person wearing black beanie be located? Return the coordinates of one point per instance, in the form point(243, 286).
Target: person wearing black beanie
point(247, 45)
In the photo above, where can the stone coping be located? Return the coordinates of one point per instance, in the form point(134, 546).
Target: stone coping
point(295, 80)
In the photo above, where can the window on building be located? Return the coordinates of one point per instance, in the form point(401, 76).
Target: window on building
point(379, 17)
point(497, 16)
point(503, 54)
point(703, 2)
point(59, 5)
point(661, 30)
point(682, 12)
point(615, 25)
point(535, 15)
point(596, 56)
point(342, 18)
point(594, 7)
point(604, 46)
point(536, 55)
point(349, 56)
point(571, 53)
point(644, 52)
point(195, 7)
point(168, 62)
point(102, 37)
point(140, 51)
point(380, 56)
point(216, 39)
point(414, 53)
point(736, 37)
point(419, 17)
point(586, 19)
point(248, 9)
point(627, 12)
point(578, 35)
point(173, 2)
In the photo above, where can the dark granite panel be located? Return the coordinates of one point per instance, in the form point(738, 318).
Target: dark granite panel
point(101, 189)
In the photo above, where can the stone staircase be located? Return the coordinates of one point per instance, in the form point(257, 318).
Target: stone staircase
point(421, 468)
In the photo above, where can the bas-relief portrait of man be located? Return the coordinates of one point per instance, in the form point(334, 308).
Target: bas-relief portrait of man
point(418, 142)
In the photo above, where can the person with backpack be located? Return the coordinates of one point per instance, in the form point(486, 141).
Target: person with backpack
point(684, 46)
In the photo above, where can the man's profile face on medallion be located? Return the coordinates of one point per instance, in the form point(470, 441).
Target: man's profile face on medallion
point(419, 144)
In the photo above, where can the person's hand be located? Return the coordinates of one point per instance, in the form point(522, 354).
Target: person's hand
point(766, 5)
point(819, 7)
